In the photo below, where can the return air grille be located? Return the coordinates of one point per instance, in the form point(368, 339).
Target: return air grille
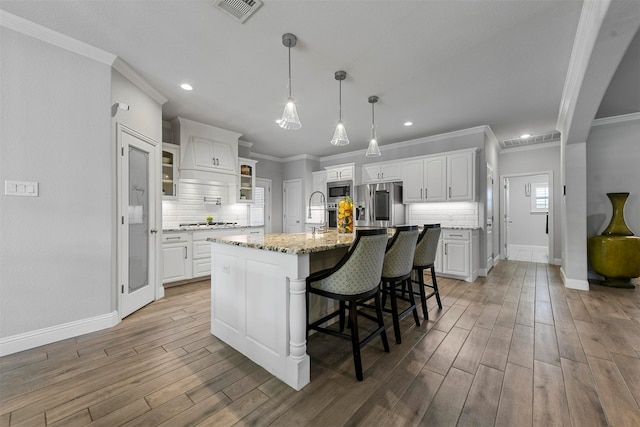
point(241, 10)
point(533, 139)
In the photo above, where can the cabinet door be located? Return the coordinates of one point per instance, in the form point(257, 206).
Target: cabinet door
point(456, 260)
point(391, 172)
point(225, 160)
point(435, 179)
point(320, 181)
point(370, 173)
point(247, 181)
point(413, 182)
point(175, 263)
point(346, 173)
point(460, 177)
point(438, 262)
point(214, 156)
point(170, 171)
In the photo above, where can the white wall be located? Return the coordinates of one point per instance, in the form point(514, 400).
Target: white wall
point(533, 160)
point(527, 228)
point(613, 166)
point(56, 252)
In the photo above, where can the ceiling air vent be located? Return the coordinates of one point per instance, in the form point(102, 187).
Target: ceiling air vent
point(241, 10)
point(533, 139)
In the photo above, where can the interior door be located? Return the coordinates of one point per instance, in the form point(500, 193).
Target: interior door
point(138, 221)
point(489, 217)
point(507, 218)
point(292, 206)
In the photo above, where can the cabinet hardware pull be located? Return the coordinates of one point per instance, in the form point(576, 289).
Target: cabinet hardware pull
point(455, 235)
point(382, 175)
point(426, 191)
point(421, 194)
point(173, 238)
point(153, 230)
point(449, 192)
point(185, 252)
point(445, 248)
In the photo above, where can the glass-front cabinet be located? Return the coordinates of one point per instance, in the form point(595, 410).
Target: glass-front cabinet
point(170, 171)
point(246, 180)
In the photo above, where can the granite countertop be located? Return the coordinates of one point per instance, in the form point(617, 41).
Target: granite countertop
point(290, 243)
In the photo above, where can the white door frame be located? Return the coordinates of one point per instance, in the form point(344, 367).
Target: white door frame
point(155, 217)
point(489, 220)
point(504, 197)
point(266, 183)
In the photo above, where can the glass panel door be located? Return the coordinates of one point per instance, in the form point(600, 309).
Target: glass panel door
point(138, 219)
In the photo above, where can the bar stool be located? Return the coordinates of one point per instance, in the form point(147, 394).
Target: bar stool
point(353, 280)
point(424, 258)
point(396, 271)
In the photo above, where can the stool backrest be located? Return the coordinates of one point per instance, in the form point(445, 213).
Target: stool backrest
point(398, 260)
point(427, 245)
point(360, 269)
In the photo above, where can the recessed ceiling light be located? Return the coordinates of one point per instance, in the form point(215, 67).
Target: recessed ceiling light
point(186, 86)
point(525, 135)
point(408, 123)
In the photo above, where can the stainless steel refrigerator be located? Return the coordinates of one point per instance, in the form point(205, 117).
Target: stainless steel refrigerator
point(379, 205)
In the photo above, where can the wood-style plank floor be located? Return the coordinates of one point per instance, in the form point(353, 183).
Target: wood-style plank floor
point(513, 349)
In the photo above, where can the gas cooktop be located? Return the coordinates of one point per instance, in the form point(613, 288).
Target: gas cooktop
point(201, 225)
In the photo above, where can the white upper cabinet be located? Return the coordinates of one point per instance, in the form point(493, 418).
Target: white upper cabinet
point(246, 180)
point(207, 153)
point(340, 172)
point(444, 178)
point(382, 172)
point(214, 156)
point(170, 161)
point(460, 177)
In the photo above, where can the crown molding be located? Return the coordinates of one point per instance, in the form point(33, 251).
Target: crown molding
point(138, 80)
point(245, 143)
point(55, 38)
point(616, 119)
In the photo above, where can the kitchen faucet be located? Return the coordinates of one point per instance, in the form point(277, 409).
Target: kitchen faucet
point(324, 201)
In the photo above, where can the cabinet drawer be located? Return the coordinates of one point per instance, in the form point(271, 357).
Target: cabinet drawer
point(175, 237)
point(201, 267)
point(201, 249)
point(456, 234)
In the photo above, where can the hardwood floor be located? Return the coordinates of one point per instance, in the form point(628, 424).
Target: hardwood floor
point(515, 348)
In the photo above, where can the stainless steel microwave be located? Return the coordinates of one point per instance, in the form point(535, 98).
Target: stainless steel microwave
point(339, 189)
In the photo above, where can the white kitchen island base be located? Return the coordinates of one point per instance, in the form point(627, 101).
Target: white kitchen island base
point(258, 304)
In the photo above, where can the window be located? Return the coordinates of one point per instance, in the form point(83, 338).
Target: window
point(540, 197)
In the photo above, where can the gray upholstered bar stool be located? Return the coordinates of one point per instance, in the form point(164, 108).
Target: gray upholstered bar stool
point(425, 258)
point(353, 280)
point(396, 271)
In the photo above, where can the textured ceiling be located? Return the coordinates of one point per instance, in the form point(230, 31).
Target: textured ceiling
point(445, 65)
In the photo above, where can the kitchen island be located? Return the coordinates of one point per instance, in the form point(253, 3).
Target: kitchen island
point(258, 296)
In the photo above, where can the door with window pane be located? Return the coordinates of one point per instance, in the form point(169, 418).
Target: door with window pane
point(138, 211)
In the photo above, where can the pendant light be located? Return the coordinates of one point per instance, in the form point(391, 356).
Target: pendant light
point(290, 119)
point(373, 150)
point(340, 135)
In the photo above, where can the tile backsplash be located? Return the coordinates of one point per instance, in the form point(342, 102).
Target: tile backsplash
point(191, 207)
point(452, 214)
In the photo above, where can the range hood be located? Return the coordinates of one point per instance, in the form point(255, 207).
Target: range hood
point(207, 154)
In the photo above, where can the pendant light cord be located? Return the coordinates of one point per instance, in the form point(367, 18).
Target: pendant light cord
point(340, 102)
point(289, 71)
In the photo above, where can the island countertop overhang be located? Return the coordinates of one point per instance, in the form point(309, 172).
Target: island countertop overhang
point(290, 243)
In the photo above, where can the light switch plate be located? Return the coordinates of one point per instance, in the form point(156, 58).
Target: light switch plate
point(20, 188)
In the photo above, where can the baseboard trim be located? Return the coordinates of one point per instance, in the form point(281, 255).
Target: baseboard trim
point(33, 339)
point(581, 285)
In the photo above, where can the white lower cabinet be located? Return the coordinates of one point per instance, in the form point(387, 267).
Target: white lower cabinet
point(458, 254)
point(201, 261)
point(176, 260)
point(187, 255)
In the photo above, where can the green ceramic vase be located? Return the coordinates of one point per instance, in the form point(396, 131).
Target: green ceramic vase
point(616, 253)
